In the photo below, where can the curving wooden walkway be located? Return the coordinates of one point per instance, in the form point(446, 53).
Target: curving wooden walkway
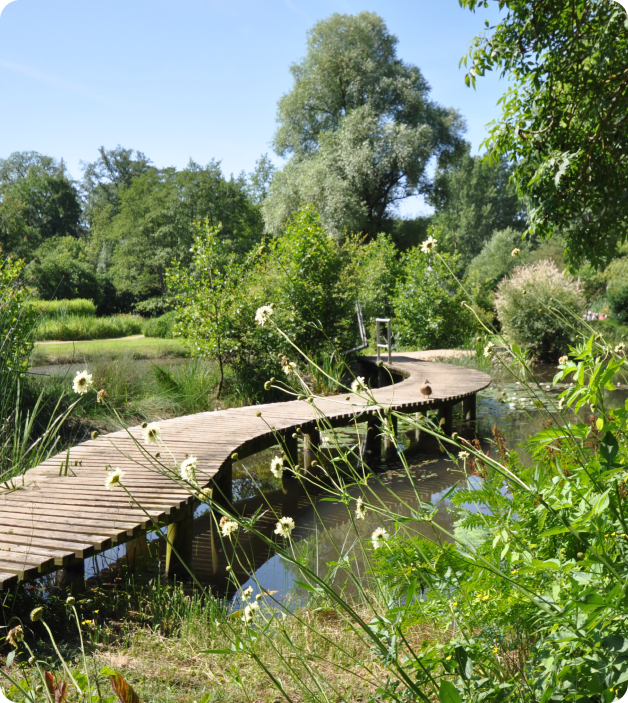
point(60, 512)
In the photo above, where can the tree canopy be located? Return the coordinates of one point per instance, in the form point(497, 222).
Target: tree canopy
point(564, 118)
point(474, 198)
point(358, 127)
point(37, 202)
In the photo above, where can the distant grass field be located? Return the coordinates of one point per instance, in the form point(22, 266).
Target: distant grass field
point(101, 349)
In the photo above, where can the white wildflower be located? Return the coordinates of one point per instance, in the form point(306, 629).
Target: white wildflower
point(488, 349)
point(247, 592)
point(360, 510)
point(428, 245)
point(287, 366)
point(463, 455)
point(619, 348)
point(563, 360)
point(82, 382)
point(187, 470)
point(561, 403)
point(113, 479)
point(515, 252)
point(249, 611)
point(228, 526)
point(378, 537)
point(284, 527)
point(263, 314)
point(276, 467)
point(358, 385)
point(152, 433)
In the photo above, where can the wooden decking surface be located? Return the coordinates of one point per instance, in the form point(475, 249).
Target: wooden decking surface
point(52, 520)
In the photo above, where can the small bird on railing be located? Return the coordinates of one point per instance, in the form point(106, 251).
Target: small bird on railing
point(426, 389)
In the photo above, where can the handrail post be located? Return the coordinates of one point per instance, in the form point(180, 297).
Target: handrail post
point(378, 342)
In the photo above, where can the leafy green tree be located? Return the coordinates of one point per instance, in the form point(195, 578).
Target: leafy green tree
point(157, 220)
point(62, 271)
point(204, 297)
point(428, 302)
point(564, 117)
point(105, 179)
point(37, 202)
point(473, 198)
point(260, 179)
point(359, 128)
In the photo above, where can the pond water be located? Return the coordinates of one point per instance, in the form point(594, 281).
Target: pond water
point(324, 531)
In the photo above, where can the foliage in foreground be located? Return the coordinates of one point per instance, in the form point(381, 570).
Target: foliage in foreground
point(523, 602)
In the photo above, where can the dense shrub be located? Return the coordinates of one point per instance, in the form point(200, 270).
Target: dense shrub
point(79, 328)
point(493, 263)
point(308, 278)
point(376, 270)
point(62, 271)
point(538, 307)
point(616, 274)
point(54, 309)
point(619, 303)
point(428, 303)
point(17, 319)
point(162, 326)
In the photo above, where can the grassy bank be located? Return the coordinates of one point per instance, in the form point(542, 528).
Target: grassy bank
point(84, 327)
point(106, 349)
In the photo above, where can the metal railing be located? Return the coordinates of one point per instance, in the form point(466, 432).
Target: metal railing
point(388, 346)
point(364, 344)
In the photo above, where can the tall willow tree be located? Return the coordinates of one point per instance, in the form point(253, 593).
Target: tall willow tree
point(358, 128)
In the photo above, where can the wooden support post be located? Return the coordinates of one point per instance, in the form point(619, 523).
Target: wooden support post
point(72, 578)
point(390, 444)
point(417, 432)
point(469, 408)
point(445, 418)
point(373, 443)
point(136, 550)
point(311, 442)
point(290, 446)
point(179, 546)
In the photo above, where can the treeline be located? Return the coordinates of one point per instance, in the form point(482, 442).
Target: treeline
point(111, 236)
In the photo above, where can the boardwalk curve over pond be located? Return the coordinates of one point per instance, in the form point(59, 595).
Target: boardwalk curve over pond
point(60, 513)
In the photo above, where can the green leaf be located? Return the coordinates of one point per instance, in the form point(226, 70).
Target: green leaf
point(448, 693)
point(609, 448)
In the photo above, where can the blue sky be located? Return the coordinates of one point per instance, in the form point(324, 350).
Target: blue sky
point(181, 79)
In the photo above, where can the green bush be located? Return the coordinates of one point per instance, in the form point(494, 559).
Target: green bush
point(539, 307)
point(619, 303)
point(162, 326)
point(428, 303)
point(56, 309)
point(493, 263)
point(305, 274)
point(81, 327)
point(61, 271)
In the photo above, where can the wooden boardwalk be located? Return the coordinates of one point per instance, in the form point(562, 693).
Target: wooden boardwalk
point(60, 513)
